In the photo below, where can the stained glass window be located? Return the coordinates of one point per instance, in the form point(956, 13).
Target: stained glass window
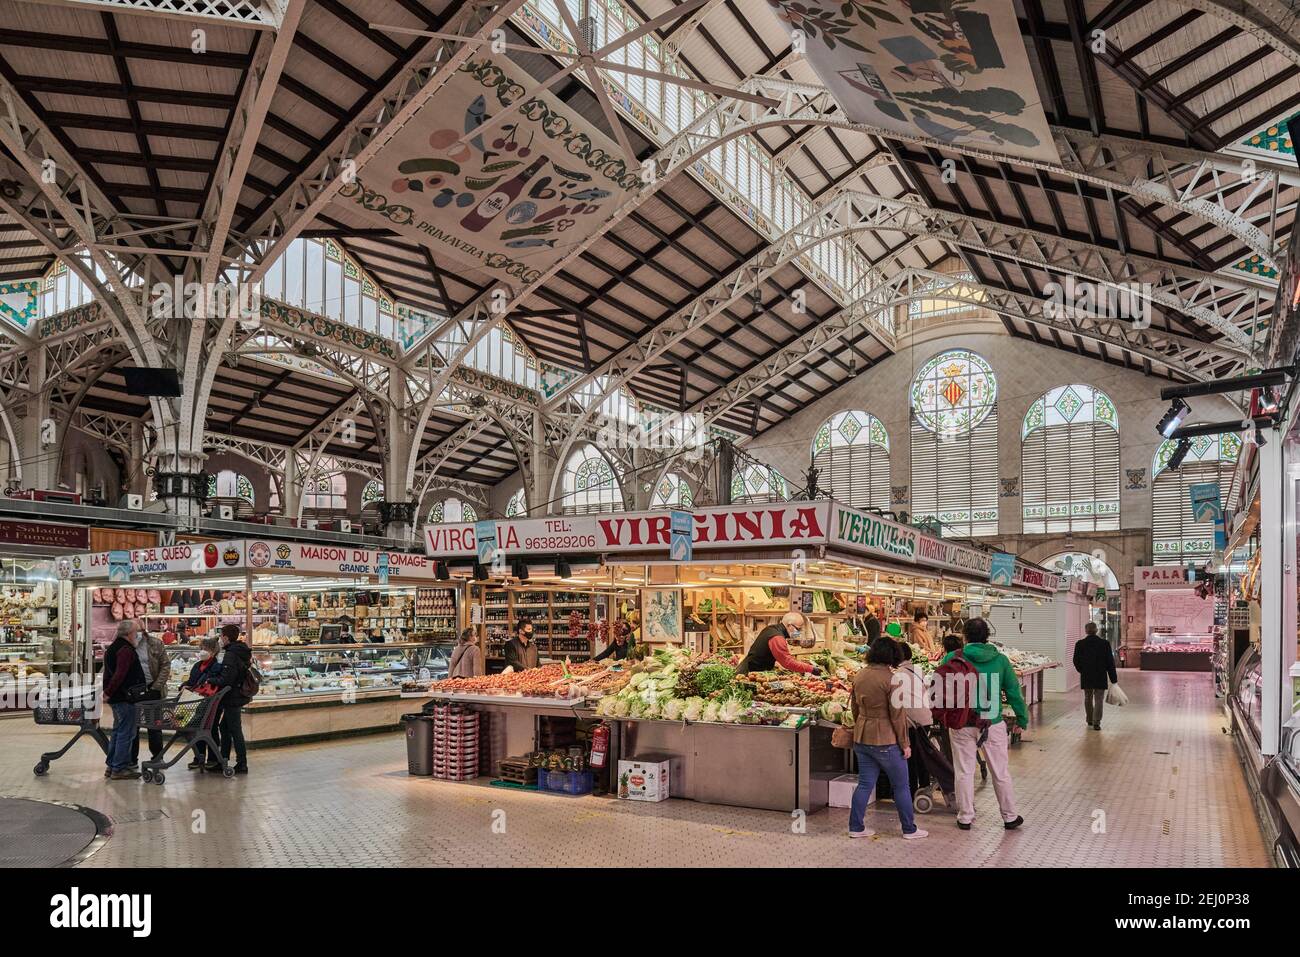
point(230, 484)
point(373, 492)
point(955, 444)
point(517, 506)
point(1176, 536)
point(757, 484)
point(451, 511)
point(590, 484)
point(1069, 462)
point(673, 491)
point(326, 492)
point(851, 453)
point(1089, 568)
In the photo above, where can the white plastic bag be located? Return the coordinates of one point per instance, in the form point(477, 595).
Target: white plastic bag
point(1115, 695)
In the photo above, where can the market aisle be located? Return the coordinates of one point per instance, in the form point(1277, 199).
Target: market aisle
point(1162, 772)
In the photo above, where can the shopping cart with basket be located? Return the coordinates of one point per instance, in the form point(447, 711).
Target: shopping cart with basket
point(190, 720)
point(77, 708)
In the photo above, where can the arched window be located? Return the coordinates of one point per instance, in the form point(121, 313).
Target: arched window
point(1069, 462)
point(1176, 536)
point(326, 492)
point(1089, 568)
point(757, 485)
point(851, 451)
point(230, 484)
point(517, 506)
point(955, 444)
point(673, 491)
point(372, 493)
point(590, 484)
point(451, 511)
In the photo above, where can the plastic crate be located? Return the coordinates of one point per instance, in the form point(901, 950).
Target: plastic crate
point(567, 782)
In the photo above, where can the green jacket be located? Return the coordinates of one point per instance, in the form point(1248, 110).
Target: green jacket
point(996, 675)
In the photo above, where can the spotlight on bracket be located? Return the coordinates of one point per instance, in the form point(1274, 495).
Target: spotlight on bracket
point(1180, 452)
point(562, 569)
point(480, 573)
point(441, 573)
point(1172, 419)
point(519, 569)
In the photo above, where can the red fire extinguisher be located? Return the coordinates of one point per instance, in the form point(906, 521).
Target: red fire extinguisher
point(599, 744)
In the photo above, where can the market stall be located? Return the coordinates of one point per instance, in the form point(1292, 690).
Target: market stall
point(755, 741)
point(1181, 631)
point(334, 630)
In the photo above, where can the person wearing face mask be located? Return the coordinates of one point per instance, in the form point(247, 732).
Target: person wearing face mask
point(772, 647)
point(520, 651)
point(157, 670)
point(199, 682)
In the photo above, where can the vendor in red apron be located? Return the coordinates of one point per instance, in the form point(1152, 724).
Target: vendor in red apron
point(772, 647)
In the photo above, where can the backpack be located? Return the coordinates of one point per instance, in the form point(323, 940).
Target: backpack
point(955, 691)
point(251, 683)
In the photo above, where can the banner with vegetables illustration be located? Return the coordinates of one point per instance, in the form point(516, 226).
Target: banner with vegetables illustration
point(952, 70)
point(510, 200)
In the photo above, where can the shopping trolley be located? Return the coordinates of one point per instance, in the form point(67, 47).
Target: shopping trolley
point(191, 720)
point(930, 771)
point(78, 709)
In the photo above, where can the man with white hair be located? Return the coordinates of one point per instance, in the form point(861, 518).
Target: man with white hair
point(124, 683)
point(772, 647)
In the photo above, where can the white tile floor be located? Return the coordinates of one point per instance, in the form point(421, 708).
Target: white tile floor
point(1162, 777)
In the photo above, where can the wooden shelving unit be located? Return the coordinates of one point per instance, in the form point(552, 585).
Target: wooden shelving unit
point(547, 608)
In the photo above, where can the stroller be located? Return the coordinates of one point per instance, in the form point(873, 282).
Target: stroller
point(77, 709)
point(191, 721)
point(930, 771)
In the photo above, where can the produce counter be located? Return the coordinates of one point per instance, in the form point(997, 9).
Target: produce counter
point(741, 765)
point(768, 767)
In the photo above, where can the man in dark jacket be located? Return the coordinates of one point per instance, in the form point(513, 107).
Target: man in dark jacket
point(124, 682)
point(234, 665)
point(1095, 663)
point(520, 651)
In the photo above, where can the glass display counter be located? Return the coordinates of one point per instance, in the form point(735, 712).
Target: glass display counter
point(1168, 652)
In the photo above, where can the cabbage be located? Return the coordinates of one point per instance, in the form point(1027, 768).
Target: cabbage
point(846, 718)
point(605, 706)
point(620, 708)
point(652, 709)
point(731, 710)
point(673, 708)
point(638, 679)
point(636, 709)
point(710, 711)
point(831, 710)
point(694, 708)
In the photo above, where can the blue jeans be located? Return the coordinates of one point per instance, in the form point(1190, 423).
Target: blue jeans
point(872, 759)
point(125, 730)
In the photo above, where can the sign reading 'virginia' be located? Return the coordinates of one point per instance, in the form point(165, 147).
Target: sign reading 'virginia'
point(510, 200)
point(952, 70)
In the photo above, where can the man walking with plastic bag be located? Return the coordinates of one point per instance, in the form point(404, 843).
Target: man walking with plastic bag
point(1096, 666)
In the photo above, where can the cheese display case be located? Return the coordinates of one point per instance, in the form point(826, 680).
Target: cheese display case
point(334, 630)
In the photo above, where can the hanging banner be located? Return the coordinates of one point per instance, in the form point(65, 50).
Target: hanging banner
point(1002, 568)
point(680, 548)
point(381, 567)
point(485, 537)
point(954, 71)
point(119, 566)
point(1206, 506)
point(511, 201)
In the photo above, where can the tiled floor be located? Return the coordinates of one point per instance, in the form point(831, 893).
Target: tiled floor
point(1160, 786)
